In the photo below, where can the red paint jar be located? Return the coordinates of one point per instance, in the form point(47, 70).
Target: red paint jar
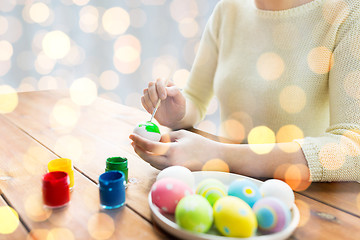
point(55, 189)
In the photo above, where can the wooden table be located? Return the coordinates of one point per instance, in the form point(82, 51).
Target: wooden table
point(46, 125)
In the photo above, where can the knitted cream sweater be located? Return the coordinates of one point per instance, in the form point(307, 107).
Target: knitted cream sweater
point(296, 72)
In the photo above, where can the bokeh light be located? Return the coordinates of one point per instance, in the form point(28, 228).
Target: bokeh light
point(304, 210)
point(47, 83)
point(164, 66)
point(261, 139)
point(4, 25)
point(182, 9)
point(188, 27)
point(38, 234)
point(6, 50)
point(207, 126)
point(233, 129)
point(216, 165)
point(127, 50)
point(288, 133)
point(34, 208)
point(270, 66)
point(213, 106)
point(331, 156)
point(153, 2)
point(101, 226)
point(138, 18)
point(16, 29)
point(66, 113)
point(9, 220)
point(56, 44)
point(60, 233)
point(4, 67)
point(81, 2)
point(115, 21)
point(320, 60)
point(349, 143)
point(180, 77)
point(351, 84)
point(69, 147)
point(83, 91)
point(295, 177)
point(292, 99)
point(31, 159)
point(8, 5)
point(109, 80)
point(8, 99)
point(39, 12)
point(89, 19)
point(44, 64)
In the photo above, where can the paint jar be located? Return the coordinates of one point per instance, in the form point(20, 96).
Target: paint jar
point(119, 164)
point(64, 165)
point(55, 189)
point(112, 189)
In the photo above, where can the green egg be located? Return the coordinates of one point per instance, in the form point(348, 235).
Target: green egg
point(150, 127)
point(194, 213)
point(211, 189)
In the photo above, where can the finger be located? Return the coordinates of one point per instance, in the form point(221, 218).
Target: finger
point(147, 108)
point(148, 101)
point(172, 91)
point(156, 148)
point(160, 88)
point(153, 95)
point(175, 135)
point(157, 161)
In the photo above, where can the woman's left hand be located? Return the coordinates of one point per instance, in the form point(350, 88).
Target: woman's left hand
point(181, 147)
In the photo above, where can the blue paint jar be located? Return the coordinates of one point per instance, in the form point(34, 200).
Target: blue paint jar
point(112, 189)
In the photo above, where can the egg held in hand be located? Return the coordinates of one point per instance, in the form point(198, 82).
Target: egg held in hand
point(148, 130)
point(167, 192)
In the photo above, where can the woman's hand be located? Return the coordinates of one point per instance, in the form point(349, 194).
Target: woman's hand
point(181, 147)
point(173, 104)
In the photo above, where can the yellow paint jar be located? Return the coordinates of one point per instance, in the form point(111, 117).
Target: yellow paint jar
point(63, 165)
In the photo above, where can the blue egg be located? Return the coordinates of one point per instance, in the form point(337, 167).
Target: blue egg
point(245, 190)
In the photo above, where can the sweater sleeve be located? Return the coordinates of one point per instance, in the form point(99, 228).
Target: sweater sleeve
point(199, 87)
point(335, 156)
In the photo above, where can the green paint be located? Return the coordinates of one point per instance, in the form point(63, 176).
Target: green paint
point(150, 127)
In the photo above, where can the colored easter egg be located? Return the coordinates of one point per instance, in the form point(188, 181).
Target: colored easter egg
point(194, 213)
point(272, 215)
point(167, 192)
point(178, 172)
point(278, 189)
point(234, 217)
point(211, 189)
point(148, 130)
point(245, 190)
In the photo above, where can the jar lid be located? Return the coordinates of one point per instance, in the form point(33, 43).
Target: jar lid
point(116, 163)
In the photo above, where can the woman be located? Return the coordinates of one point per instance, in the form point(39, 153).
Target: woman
point(289, 69)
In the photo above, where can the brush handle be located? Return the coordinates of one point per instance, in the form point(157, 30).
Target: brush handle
point(159, 100)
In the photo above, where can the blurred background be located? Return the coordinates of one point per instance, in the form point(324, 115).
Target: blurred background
point(107, 48)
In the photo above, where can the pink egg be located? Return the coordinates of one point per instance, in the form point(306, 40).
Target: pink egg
point(167, 192)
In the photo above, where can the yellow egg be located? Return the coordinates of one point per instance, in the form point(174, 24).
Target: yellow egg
point(234, 217)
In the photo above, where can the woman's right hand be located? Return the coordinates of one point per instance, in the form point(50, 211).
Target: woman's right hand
point(173, 104)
